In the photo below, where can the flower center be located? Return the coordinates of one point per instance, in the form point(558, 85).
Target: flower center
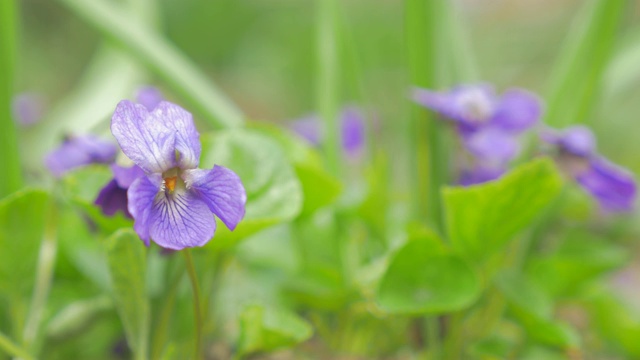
point(475, 105)
point(170, 183)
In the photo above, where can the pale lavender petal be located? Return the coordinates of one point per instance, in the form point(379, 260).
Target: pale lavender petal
point(578, 140)
point(125, 176)
point(309, 128)
point(187, 138)
point(143, 138)
point(222, 190)
point(468, 105)
point(150, 97)
point(141, 196)
point(181, 220)
point(112, 198)
point(517, 111)
point(492, 144)
point(353, 128)
point(612, 186)
point(79, 151)
point(480, 174)
point(27, 108)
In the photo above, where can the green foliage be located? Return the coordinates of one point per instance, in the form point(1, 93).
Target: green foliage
point(274, 193)
point(533, 308)
point(482, 219)
point(581, 258)
point(425, 278)
point(23, 225)
point(617, 322)
point(267, 329)
point(127, 267)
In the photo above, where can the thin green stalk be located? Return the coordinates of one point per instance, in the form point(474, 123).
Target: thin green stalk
point(455, 339)
point(428, 160)
point(11, 179)
point(197, 308)
point(329, 80)
point(161, 57)
point(432, 328)
point(44, 277)
point(161, 328)
point(13, 349)
point(579, 72)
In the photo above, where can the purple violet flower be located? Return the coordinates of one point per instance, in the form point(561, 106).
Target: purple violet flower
point(174, 204)
point(78, 151)
point(612, 186)
point(113, 196)
point(488, 125)
point(149, 96)
point(352, 125)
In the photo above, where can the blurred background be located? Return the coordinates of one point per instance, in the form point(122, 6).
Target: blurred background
point(263, 56)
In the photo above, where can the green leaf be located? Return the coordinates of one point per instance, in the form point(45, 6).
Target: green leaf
point(267, 329)
point(127, 267)
point(23, 218)
point(534, 310)
point(274, 193)
point(579, 71)
point(481, 219)
point(161, 57)
point(617, 322)
point(581, 258)
point(318, 186)
point(424, 278)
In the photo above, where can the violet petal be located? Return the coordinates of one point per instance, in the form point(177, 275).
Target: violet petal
point(612, 186)
point(141, 195)
point(113, 198)
point(180, 220)
point(125, 176)
point(187, 138)
point(150, 97)
point(222, 190)
point(143, 138)
point(491, 144)
point(517, 111)
point(79, 151)
point(353, 130)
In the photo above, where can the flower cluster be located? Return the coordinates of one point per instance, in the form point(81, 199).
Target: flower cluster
point(352, 130)
point(488, 124)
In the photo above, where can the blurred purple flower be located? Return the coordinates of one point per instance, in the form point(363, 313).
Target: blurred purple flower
point(174, 202)
point(78, 151)
point(477, 106)
point(113, 197)
point(488, 125)
point(27, 108)
point(352, 127)
point(612, 186)
point(149, 96)
point(481, 173)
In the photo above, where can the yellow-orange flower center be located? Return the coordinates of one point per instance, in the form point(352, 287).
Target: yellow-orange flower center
point(170, 183)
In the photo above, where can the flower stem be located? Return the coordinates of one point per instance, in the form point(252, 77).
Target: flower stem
point(44, 277)
point(11, 179)
point(197, 308)
point(329, 80)
point(13, 349)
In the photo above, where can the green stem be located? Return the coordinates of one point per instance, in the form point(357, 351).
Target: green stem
point(432, 328)
point(44, 277)
point(11, 179)
point(428, 161)
point(329, 81)
point(160, 332)
point(161, 57)
point(197, 308)
point(455, 337)
point(12, 349)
